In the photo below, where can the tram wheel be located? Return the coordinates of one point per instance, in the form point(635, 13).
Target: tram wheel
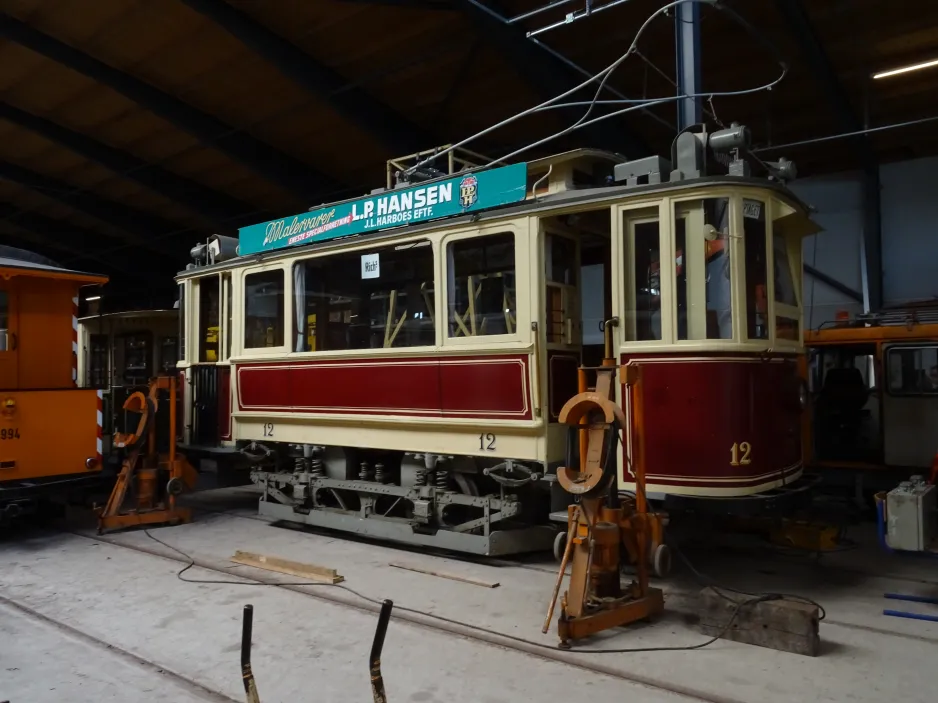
point(560, 545)
point(662, 561)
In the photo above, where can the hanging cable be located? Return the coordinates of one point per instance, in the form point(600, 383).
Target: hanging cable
point(603, 76)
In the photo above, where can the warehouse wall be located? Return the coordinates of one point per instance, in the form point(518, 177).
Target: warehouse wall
point(910, 245)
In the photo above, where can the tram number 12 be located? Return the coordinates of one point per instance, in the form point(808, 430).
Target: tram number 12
point(487, 442)
point(268, 429)
point(739, 454)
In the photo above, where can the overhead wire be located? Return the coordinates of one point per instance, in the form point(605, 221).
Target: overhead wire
point(603, 77)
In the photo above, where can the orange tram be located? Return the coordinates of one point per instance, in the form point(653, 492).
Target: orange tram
point(395, 365)
point(50, 430)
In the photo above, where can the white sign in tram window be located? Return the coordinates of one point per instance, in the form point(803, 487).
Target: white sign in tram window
point(752, 209)
point(371, 266)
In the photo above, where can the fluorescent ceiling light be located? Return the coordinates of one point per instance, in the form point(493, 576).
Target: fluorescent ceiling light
point(906, 69)
point(92, 298)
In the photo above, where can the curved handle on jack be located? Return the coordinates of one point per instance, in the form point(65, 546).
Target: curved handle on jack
point(377, 682)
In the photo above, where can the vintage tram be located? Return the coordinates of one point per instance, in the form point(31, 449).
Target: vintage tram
point(394, 365)
point(118, 354)
point(50, 430)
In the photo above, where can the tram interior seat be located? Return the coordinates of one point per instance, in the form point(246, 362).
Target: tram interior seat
point(841, 414)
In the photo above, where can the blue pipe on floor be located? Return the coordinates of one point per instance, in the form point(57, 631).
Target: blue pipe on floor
point(911, 616)
point(911, 599)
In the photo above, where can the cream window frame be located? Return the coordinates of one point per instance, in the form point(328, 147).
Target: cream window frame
point(521, 322)
point(623, 274)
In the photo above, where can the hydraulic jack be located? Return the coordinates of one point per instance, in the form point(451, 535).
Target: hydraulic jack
point(600, 525)
point(154, 479)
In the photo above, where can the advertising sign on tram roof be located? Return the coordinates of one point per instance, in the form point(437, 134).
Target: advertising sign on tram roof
point(458, 195)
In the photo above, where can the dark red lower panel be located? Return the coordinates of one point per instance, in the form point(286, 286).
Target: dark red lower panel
point(718, 421)
point(478, 386)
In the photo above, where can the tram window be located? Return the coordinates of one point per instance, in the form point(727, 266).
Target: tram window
point(681, 266)
point(209, 300)
point(717, 257)
point(643, 308)
point(263, 309)
point(913, 371)
point(784, 282)
point(226, 279)
point(754, 235)
point(561, 260)
point(365, 300)
point(97, 361)
point(787, 328)
point(481, 289)
point(182, 321)
point(560, 264)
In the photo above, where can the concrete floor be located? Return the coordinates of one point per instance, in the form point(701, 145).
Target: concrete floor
point(318, 647)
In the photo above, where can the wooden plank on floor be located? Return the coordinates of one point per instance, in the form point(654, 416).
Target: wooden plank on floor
point(444, 575)
point(785, 625)
point(312, 572)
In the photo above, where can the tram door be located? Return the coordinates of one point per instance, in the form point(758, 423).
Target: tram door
point(9, 342)
point(562, 326)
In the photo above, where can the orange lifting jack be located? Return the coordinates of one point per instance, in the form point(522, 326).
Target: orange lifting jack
point(155, 503)
point(600, 524)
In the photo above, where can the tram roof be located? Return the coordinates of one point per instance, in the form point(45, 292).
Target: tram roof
point(574, 198)
point(35, 268)
point(129, 315)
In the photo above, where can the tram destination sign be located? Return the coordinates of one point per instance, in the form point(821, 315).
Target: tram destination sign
point(394, 208)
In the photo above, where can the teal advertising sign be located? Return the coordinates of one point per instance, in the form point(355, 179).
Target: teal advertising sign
point(406, 206)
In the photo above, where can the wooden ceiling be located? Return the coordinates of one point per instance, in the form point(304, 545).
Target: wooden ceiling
point(132, 129)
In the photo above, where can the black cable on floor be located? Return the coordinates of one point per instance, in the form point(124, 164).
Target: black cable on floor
point(513, 638)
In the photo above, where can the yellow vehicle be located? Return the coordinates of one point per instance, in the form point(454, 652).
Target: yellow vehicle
point(874, 394)
point(50, 430)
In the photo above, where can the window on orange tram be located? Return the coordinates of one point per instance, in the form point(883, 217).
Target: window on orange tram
point(754, 238)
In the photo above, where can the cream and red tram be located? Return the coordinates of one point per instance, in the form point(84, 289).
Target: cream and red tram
point(405, 382)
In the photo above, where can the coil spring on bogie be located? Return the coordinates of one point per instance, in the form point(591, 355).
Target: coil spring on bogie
point(316, 468)
point(363, 471)
point(421, 478)
point(442, 478)
point(379, 473)
point(301, 464)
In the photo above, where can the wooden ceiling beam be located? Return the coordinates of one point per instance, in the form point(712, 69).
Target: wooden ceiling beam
point(139, 228)
point(72, 244)
point(224, 212)
point(396, 132)
point(292, 175)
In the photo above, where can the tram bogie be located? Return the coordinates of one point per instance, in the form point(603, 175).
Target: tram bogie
point(396, 368)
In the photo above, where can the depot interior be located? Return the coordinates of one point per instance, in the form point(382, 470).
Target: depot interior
point(132, 132)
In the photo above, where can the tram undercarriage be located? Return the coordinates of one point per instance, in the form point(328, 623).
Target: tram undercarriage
point(421, 499)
